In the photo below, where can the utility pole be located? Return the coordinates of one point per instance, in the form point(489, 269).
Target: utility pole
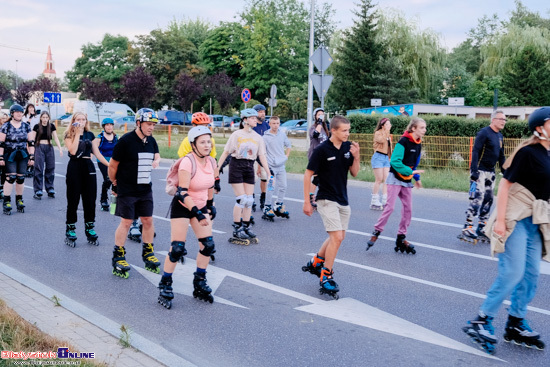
point(16, 73)
point(310, 71)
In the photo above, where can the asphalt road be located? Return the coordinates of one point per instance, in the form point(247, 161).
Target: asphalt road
point(394, 309)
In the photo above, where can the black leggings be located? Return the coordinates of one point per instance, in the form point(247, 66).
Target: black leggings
point(106, 181)
point(81, 181)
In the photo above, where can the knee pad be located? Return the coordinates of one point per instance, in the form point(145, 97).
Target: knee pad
point(20, 180)
point(11, 178)
point(209, 246)
point(249, 201)
point(263, 180)
point(178, 251)
point(240, 201)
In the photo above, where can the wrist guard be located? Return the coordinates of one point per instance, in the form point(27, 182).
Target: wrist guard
point(197, 213)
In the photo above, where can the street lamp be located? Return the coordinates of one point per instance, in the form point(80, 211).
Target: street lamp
point(16, 73)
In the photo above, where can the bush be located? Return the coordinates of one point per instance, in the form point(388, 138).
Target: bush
point(438, 125)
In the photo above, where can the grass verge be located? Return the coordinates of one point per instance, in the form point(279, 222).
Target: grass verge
point(16, 335)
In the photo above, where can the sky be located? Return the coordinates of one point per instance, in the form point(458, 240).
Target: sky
point(29, 26)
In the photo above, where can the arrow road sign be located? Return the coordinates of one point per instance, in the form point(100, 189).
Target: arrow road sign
point(246, 96)
point(52, 97)
point(321, 84)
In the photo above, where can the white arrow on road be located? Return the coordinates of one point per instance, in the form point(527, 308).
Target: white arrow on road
point(346, 309)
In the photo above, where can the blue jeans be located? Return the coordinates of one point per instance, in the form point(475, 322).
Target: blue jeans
point(518, 270)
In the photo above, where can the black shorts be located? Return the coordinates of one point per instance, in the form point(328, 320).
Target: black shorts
point(179, 211)
point(132, 207)
point(19, 165)
point(241, 171)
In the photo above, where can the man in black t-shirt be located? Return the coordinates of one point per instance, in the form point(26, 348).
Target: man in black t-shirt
point(331, 161)
point(488, 149)
point(134, 156)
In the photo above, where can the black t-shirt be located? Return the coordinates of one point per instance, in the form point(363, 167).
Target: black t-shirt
point(531, 169)
point(331, 165)
point(135, 164)
point(488, 149)
point(44, 135)
point(84, 146)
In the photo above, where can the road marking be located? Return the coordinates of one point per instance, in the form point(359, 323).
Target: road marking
point(430, 283)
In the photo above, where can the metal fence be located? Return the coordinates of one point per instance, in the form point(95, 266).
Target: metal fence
point(437, 151)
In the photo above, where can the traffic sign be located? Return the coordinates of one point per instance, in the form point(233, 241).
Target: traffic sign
point(321, 84)
point(456, 101)
point(321, 58)
point(246, 96)
point(272, 103)
point(52, 97)
point(273, 91)
point(376, 102)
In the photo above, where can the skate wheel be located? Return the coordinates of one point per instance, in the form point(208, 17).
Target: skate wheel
point(396, 249)
point(305, 269)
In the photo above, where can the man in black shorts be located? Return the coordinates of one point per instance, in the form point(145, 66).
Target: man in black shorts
point(134, 156)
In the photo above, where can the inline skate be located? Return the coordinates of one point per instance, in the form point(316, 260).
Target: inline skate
point(105, 205)
point(251, 235)
point(201, 290)
point(91, 234)
point(262, 201)
point(328, 285)
point(375, 203)
point(38, 195)
point(239, 235)
point(401, 244)
point(468, 234)
point(281, 211)
point(134, 234)
point(51, 193)
point(314, 265)
point(148, 255)
point(166, 292)
point(373, 239)
point(120, 265)
point(480, 232)
point(268, 213)
point(519, 332)
point(19, 203)
point(70, 235)
point(7, 205)
point(481, 331)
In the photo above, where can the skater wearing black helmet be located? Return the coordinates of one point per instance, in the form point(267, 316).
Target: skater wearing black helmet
point(519, 231)
point(16, 153)
point(134, 156)
point(244, 146)
point(193, 204)
point(261, 127)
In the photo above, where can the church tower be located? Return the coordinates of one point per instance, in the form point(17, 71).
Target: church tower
point(49, 71)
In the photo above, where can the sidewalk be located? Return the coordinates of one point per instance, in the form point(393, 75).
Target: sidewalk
point(70, 322)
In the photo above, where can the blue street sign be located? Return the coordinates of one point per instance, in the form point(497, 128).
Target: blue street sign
point(52, 97)
point(246, 96)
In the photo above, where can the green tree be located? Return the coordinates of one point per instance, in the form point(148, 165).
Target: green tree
point(465, 55)
point(195, 31)
point(324, 24)
point(357, 59)
point(222, 51)
point(165, 55)
point(297, 101)
point(458, 83)
point(391, 84)
point(107, 60)
point(522, 17)
point(275, 50)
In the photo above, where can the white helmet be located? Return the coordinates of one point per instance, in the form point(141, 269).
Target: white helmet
point(197, 131)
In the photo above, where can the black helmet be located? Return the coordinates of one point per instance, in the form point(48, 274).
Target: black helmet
point(16, 108)
point(259, 107)
point(538, 117)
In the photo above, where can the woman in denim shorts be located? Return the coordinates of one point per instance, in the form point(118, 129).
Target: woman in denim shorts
point(380, 163)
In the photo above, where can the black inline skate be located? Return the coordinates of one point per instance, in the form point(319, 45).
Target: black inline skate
point(239, 235)
point(328, 285)
point(134, 234)
point(481, 332)
point(468, 234)
point(38, 195)
point(105, 205)
point(120, 265)
point(314, 269)
point(166, 292)
point(148, 255)
point(91, 234)
point(401, 244)
point(519, 332)
point(19, 203)
point(268, 213)
point(1, 189)
point(201, 289)
point(70, 235)
point(262, 201)
point(254, 202)
point(480, 232)
point(51, 193)
point(281, 211)
point(7, 205)
point(373, 238)
point(251, 235)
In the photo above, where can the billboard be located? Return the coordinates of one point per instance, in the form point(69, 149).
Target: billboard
point(395, 110)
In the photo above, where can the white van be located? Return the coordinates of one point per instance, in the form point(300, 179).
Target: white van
point(107, 109)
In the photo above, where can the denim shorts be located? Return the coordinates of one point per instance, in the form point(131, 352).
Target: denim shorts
point(380, 160)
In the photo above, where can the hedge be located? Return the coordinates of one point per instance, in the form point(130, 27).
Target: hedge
point(438, 125)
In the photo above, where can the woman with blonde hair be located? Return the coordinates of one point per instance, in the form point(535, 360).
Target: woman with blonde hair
point(81, 177)
point(380, 163)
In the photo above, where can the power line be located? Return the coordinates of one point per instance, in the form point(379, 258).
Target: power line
point(22, 49)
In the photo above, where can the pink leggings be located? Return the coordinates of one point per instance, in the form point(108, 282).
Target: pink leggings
point(405, 194)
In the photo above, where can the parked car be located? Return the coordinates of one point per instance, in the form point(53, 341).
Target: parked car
point(62, 120)
point(130, 121)
point(233, 122)
point(174, 117)
point(217, 122)
point(293, 127)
